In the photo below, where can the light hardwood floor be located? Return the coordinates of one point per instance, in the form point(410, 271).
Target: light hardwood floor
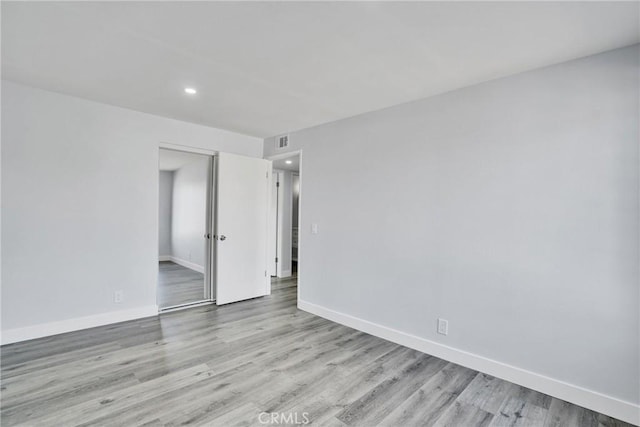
point(286, 282)
point(178, 285)
point(224, 366)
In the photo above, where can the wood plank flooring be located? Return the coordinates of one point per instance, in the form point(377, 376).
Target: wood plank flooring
point(224, 366)
point(178, 285)
point(286, 282)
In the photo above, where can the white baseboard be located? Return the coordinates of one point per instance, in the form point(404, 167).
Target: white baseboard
point(164, 257)
point(60, 327)
point(625, 411)
point(284, 274)
point(190, 265)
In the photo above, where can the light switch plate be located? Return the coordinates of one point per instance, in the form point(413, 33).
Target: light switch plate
point(443, 326)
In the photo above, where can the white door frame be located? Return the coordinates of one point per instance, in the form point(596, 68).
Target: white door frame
point(283, 196)
point(272, 252)
point(210, 215)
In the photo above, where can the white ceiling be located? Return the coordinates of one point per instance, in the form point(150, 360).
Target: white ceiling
point(283, 165)
point(171, 160)
point(265, 68)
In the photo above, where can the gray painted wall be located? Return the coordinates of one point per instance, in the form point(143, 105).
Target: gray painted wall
point(80, 203)
point(189, 211)
point(164, 213)
point(509, 208)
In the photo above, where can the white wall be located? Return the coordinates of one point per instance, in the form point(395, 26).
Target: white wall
point(295, 203)
point(509, 208)
point(165, 214)
point(80, 205)
point(189, 209)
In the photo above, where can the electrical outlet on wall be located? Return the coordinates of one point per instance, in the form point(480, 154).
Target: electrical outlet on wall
point(118, 296)
point(443, 326)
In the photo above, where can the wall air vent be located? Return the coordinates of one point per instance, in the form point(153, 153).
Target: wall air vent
point(282, 142)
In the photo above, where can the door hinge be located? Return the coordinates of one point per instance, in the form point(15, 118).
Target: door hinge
point(277, 184)
point(265, 273)
point(276, 259)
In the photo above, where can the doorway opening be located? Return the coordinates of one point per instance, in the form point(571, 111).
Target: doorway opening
point(285, 202)
point(186, 185)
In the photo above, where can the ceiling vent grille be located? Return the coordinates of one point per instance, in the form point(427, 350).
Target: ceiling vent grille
point(282, 142)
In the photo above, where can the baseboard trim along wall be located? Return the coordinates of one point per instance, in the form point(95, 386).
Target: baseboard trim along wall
point(54, 328)
point(188, 264)
point(625, 411)
point(164, 258)
point(285, 273)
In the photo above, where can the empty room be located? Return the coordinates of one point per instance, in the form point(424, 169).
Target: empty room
point(220, 213)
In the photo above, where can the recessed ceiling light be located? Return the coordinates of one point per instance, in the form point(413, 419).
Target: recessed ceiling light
point(288, 162)
point(190, 90)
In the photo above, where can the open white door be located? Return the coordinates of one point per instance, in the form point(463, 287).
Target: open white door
point(242, 228)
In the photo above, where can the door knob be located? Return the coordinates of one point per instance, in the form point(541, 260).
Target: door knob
point(222, 237)
point(207, 236)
